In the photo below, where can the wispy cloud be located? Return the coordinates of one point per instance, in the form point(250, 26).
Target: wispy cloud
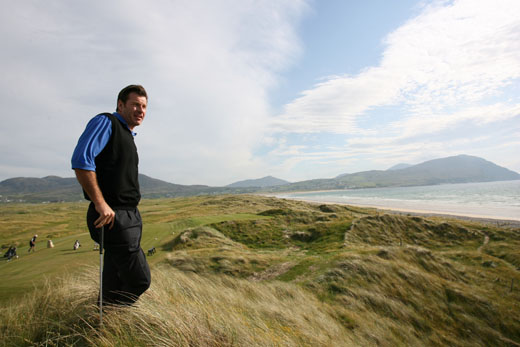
point(206, 65)
point(445, 77)
point(475, 115)
point(450, 57)
point(335, 105)
point(451, 72)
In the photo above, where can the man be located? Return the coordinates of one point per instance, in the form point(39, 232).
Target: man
point(105, 161)
point(32, 243)
point(11, 253)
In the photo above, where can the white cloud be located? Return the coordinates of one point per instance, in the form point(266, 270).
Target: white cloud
point(476, 115)
point(209, 66)
point(206, 65)
point(334, 105)
point(445, 78)
point(451, 56)
point(456, 54)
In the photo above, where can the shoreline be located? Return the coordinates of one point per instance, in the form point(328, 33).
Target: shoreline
point(503, 221)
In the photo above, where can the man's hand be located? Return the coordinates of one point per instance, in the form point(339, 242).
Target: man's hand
point(106, 215)
point(88, 181)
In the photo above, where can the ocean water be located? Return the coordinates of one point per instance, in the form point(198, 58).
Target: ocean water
point(499, 200)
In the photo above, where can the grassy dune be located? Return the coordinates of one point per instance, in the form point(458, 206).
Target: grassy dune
point(259, 271)
point(179, 309)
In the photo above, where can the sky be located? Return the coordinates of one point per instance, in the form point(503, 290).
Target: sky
point(242, 89)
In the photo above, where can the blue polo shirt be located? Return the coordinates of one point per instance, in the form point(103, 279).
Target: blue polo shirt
point(93, 140)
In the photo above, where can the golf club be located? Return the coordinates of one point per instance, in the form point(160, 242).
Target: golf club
point(101, 276)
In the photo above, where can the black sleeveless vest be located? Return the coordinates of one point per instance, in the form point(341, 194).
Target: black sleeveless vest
point(116, 168)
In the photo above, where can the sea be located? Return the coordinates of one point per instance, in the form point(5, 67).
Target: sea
point(495, 200)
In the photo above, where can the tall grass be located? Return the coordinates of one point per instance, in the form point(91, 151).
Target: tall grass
point(255, 271)
point(61, 312)
point(180, 309)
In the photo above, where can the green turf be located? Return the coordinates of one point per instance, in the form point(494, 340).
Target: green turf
point(63, 223)
point(444, 281)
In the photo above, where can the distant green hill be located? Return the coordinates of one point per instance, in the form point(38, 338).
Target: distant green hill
point(457, 169)
point(268, 181)
point(31, 189)
point(56, 189)
point(399, 166)
point(21, 185)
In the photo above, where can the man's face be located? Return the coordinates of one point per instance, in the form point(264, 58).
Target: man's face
point(133, 110)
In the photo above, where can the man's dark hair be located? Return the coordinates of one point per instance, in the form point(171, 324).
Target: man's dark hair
point(133, 88)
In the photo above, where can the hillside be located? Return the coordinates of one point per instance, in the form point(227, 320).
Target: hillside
point(268, 181)
point(256, 271)
point(457, 169)
point(399, 166)
point(56, 189)
point(152, 187)
point(20, 185)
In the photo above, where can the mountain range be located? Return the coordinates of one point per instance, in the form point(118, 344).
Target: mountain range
point(55, 189)
point(456, 169)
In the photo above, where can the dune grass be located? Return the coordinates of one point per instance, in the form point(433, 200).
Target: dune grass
point(179, 310)
point(259, 271)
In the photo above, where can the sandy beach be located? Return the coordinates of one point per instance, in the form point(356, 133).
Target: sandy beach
point(483, 218)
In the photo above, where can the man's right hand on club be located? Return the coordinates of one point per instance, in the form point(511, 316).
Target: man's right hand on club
point(106, 215)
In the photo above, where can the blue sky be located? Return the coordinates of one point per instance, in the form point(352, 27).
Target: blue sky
point(244, 89)
point(340, 37)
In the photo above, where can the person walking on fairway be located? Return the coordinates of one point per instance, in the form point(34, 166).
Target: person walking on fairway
point(32, 243)
point(105, 161)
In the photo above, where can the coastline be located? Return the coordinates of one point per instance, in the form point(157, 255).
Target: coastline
point(481, 218)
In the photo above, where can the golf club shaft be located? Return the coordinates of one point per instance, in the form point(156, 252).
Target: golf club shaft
point(101, 244)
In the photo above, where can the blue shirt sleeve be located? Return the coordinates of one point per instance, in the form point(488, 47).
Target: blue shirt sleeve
point(91, 143)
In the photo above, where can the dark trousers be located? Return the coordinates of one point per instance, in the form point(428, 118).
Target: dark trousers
point(126, 274)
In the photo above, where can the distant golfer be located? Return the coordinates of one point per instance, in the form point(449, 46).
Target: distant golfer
point(32, 243)
point(105, 161)
point(11, 253)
